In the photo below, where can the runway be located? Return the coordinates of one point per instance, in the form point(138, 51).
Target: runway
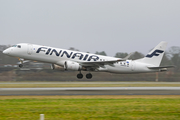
point(91, 91)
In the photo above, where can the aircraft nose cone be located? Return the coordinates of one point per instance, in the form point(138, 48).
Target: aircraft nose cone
point(6, 51)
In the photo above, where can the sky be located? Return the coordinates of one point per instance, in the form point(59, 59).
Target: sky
point(91, 25)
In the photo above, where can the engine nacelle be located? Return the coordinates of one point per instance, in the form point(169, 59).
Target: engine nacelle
point(56, 67)
point(70, 65)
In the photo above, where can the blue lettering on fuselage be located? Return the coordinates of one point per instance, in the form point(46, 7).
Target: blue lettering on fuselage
point(95, 58)
point(50, 51)
point(86, 56)
point(57, 54)
point(40, 49)
point(67, 54)
point(78, 55)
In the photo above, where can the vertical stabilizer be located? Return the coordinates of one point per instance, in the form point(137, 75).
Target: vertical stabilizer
point(155, 56)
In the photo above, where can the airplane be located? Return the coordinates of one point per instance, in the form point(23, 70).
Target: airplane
point(81, 61)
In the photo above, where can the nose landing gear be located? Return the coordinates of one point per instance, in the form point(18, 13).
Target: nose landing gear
point(21, 65)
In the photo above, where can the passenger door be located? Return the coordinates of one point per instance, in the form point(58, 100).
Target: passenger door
point(30, 49)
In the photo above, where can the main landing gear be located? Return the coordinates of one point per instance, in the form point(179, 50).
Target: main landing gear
point(80, 76)
point(89, 76)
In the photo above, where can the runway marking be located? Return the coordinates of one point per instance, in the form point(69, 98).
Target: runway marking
point(91, 91)
point(92, 88)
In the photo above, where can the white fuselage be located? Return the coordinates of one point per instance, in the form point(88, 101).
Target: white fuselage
point(59, 56)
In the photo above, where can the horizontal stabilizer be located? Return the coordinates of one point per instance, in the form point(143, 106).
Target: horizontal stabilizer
point(161, 67)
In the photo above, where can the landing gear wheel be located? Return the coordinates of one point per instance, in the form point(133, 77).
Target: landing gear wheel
point(79, 76)
point(20, 65)
point(89, 76)
point(21, 60)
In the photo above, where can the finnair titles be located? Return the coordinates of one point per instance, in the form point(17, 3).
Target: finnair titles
point(80, 61)
point(84, 57)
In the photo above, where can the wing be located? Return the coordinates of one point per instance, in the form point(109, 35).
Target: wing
point(96, 64)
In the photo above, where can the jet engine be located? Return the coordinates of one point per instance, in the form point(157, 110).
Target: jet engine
point(70, 65)
point(56, 67)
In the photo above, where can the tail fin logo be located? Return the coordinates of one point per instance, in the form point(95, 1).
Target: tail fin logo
point(155, 53)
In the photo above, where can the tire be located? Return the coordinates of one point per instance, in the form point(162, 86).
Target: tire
point(20, 65)
point(79, 76)
point(89, 76)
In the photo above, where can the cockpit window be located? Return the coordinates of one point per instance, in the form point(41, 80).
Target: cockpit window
point(14, 45)
point(18, 46)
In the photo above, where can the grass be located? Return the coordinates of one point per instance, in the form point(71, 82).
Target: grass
point(26, 85)
point(90, 107)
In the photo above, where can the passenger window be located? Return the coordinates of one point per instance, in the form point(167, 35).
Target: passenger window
point(19, 46)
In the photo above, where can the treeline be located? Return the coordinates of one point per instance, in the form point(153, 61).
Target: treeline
point(11, 74)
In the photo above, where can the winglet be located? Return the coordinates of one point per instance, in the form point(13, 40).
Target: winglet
point(127, 57)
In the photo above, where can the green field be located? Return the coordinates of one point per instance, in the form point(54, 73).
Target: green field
point(90, 107)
